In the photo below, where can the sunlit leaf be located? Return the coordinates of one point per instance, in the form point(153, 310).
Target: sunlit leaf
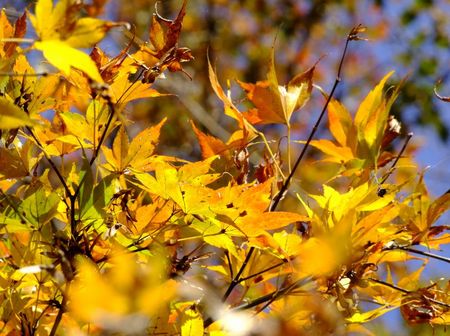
point(370, 315)
point(142, 147)
point(64, 57)
point(230, 108)
point(371, 118)
point(39, 207)
point(11, 115)
point(192, 323)
point(209, 145)
point(340, 122)
point(88, 31)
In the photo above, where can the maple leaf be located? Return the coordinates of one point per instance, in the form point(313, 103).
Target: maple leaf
point(84, 127)
point(12, 116)
point(164, 52)
point(275, 103)
point(43, 88)
point(419, 212)
point(96, 8)
point(13, 163)
point(17, 31)
point(61, 31)
point(136, 155)
point(116, 72)
point(234, 152)
point(62, 22)
point(192, 322)
point(371, 126)
point(100, 234)
point(245, 207)
point(210, 145)
point(64, 57)
point(230, 109)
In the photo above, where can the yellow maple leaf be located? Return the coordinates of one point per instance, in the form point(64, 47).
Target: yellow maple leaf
point(276, 103)
point(64, 57)
point(369, 125)
point(11, 115)
point(371, 118)
point(61, 22)
point(192, 323)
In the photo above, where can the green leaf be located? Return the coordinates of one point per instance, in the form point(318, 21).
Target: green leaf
point(39, 207)
point(100, 198)
point(12, 224)
point(86, 184)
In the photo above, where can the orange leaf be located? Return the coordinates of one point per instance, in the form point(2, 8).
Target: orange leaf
point(209, 145)
point(254, 224)
point(340, 121)
point(268, 108)
point(120, 148)
point(275, 103)
point(230, 109)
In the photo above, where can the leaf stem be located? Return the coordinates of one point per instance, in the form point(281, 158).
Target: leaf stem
point(424, 253)
point(236, 280)
point(266, 298)
point(444, 304)
point(52, 164)
point(289, 148)
point(17, 40)
point(263, 271)
point(59, 316)
point(338, 79)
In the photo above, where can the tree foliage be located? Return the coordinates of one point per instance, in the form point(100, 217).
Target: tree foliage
point(101, 233)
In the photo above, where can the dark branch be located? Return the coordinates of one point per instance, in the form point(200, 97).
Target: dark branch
point(52, 164)
point(58, 317)
point(351, 36)
point(391, 170)
point(424, 253)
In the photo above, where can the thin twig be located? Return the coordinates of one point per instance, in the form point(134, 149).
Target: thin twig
point(52, 164)
point(391, 170)
point(236, 279)
point(424, 253)
point(59, 316)
point(263, 271)
point(443, 304)
point(351, 36)
point(338, 79)
point(266, 298)
point(387, 284)
point(230, 267)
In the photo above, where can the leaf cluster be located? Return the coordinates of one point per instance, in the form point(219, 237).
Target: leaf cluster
point(102, 234)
